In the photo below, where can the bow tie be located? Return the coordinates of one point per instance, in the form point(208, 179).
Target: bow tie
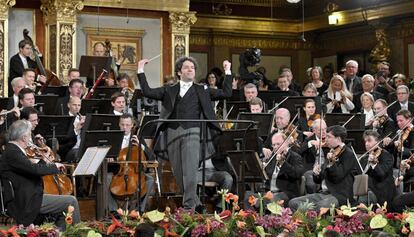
point(186, 84)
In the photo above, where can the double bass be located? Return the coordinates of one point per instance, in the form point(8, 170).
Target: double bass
point(51, 78)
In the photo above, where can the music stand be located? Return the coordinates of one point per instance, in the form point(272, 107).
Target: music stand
point(59, 123)
point(112, 138)
point(295, 103)
point(354, 138)
point(46, 103)
point(91, 66)
point(264, 122)
point(238, 106)
point(96, 106)
point(91, 161)
point(104, 92)
point(233, 140)
point(149, 131)
point(271, 97)
point(358, 122)
point(237, 95)
point(61, 91)
point(106, 122)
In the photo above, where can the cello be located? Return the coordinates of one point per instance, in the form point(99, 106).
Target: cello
point(51, 78)
point(125, 183)
point(58, 184)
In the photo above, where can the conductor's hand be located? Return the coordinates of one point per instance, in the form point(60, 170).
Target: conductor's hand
point(226, 65)
point(142, 63)
point(60, 166)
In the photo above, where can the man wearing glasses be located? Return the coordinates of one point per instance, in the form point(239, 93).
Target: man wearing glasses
point(403, 94)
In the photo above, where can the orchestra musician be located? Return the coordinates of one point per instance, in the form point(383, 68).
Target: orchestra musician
point(17, 84)
point(285, 171)
point(335, 174)
point(26, 178)
point(99, 49)
point(383, 123)
point(256, 105)
point(405, 200)
point(404, 143)
point(69, 146)
point(126, 124)
point(21, 61)
point(118, 103)
point(378, 165)
point(73, 73)
point(310, 149)
point(29, 75)
point(186, 100)
point(75, 89)
point(250, 91)
point(304, 124)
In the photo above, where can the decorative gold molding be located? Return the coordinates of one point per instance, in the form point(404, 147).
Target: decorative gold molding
point(5, 5)
point(181, 21)
point(60, 10)
point(154, 5)
point(3, 75)
point(261, 3)
point(114, 31)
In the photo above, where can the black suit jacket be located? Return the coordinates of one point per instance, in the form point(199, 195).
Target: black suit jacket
point(386, 128)
point(26, 178)
point(339, 177)
point(308, 154)
point(381, 180)
point(68, 142)
point(393, 109)
point(290, 174)
point(356, 86)
point(168, 94)
point(17, 68)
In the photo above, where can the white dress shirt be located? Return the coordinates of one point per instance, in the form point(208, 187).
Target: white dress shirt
point(184, 86)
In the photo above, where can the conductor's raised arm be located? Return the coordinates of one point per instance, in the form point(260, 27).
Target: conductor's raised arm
point(153, 93)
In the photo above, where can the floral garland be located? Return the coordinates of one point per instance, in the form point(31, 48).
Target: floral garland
point(271, 220)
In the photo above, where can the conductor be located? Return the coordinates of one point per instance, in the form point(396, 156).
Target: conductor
point(186, 100)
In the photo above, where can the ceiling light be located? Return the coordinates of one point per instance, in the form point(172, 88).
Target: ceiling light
point(293, 1)
point(333, 19)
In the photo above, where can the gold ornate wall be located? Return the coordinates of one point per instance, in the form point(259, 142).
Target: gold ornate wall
point(60, 19)
point(5, 5)
point(180, 29)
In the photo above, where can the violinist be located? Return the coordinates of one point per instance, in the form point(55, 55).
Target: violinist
point(335, 174)
point(310, 150)
point(378, 165)
point(21, 61)
point(404, 143)
point(285, 170)
point(280, 123)
point(26, 178)
point(406, 172)
point(305, 124)
point(126, 124)
point(383, 123)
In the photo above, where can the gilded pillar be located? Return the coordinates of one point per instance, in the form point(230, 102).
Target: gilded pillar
point(60, 20)
point(180, 25)
point(5, 5)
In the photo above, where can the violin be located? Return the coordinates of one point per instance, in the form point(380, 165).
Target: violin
point(375, 155)
point(312, 118)
point(125, 183)
point(58, 184)
point(333, 154)
point(404, 135)
point(292, 129)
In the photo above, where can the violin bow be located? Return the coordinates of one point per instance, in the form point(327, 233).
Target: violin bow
point(265, 164)
point(320, 139)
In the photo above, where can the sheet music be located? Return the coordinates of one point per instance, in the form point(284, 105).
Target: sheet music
point(91, 160)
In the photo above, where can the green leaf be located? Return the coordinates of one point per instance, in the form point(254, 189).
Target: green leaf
point(378, 222)
point(92, 233)
point(410, 220)
point(274, 208)
point(155, 216)
point(260, 230)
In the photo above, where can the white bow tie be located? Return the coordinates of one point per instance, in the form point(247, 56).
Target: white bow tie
point(186, 84)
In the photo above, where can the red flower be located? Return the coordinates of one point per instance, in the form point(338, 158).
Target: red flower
point(225, 214)
point(115, 224)
point(329, 227)
point(390, 216)
point(32, 234)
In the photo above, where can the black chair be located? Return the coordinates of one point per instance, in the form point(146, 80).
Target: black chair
point(6, 196)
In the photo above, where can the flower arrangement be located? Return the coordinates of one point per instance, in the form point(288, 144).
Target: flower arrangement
point(272, 219)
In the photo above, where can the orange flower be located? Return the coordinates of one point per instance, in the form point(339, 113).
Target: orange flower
point(268, 195)
point(235, 198)
point(243, 214)
point(208, 226)
point(235, 206)
point(115, 224)
point(323, 211)
point(252, 200)
point(241, 224)
point(69, 220)
point(134, 214)
point(229, 197)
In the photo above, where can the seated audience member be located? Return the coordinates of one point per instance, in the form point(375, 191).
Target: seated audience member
point(316, 76)
point(250, 91)
point(26, 178)
point(403, 94)
point(286, 72)
point(337, 98)
point(398, 80)
point(335, 175)
point(351, 79)
point(367, 102)
point(282, 84)
point(368, 84)
point(382, 80)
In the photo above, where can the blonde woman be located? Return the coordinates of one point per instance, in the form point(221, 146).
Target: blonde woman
point(367, 102)
point(338, 98)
